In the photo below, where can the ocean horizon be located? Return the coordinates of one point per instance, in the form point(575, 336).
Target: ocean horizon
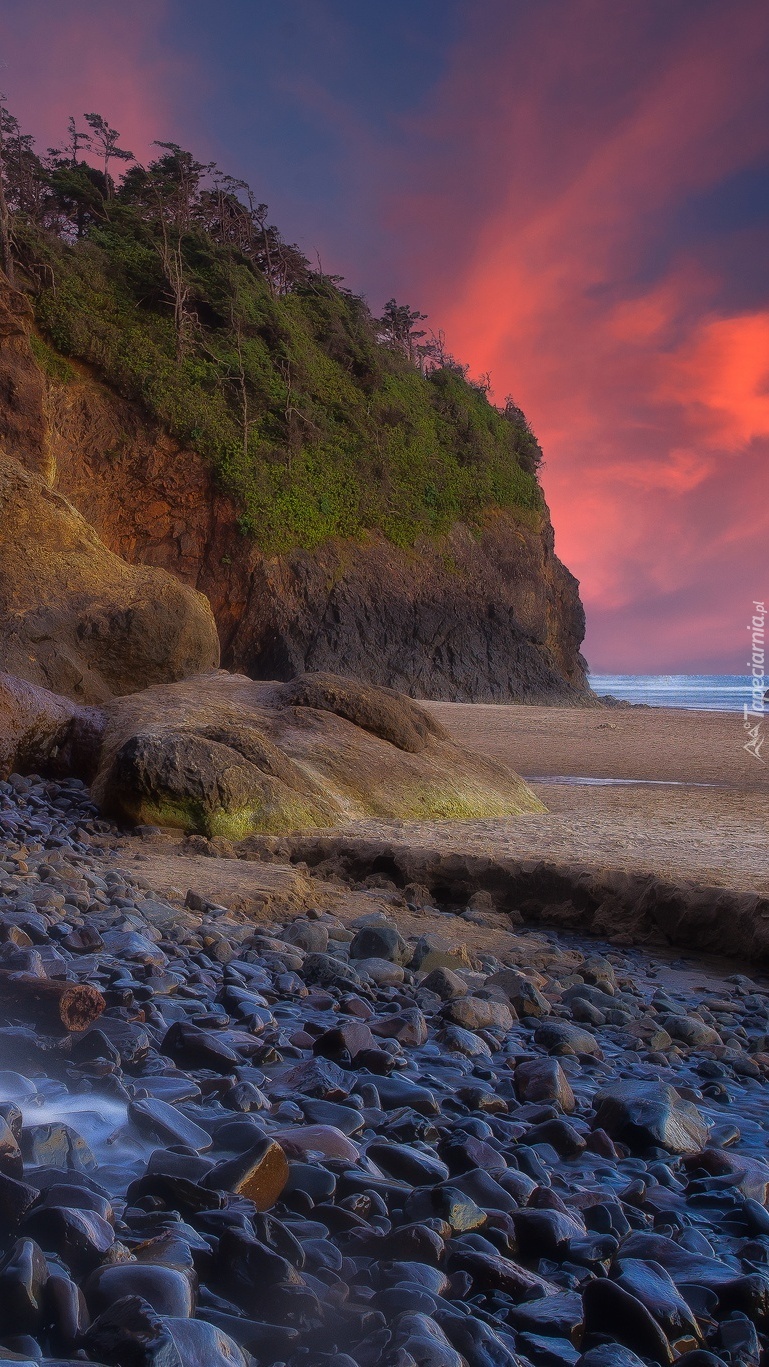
point(696, 692)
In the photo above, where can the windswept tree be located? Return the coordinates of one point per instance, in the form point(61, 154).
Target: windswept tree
point(77, 141)
point(104, 142)
point(6, 254)
point(397, 330)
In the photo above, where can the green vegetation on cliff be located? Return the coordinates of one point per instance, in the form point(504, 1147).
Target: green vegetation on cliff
point(318, 418)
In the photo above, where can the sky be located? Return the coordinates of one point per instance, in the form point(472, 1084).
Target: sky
point(576, 192)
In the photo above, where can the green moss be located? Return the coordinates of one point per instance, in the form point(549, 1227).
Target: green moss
point(53, 366)
point(196, 818)
point(340, 435)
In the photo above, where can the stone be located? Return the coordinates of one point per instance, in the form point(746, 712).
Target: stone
point(23, 1275)
point(166, 1289)
point(524, 997)
point(407, 1164)
point(75, 618)
point(131, 1332)
point(654, 1287)
point(80, 1238)
point(611, 1311)
point(380, 941)
point(308, 935)
point(543, 1079)
point(204, 1345)
point(444, 983)
point(348, 1038)
point(407, 1027)
point(260, 1174)
point(222, 755)
point(435, 951)
point(161, 1121)
point(641, 1114)
point(562, 1037)
point(691, 1031)
point(478, 1013)
point(326, 1140)
point(56, 1146)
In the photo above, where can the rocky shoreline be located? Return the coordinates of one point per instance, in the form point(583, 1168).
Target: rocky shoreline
point(319, 1142)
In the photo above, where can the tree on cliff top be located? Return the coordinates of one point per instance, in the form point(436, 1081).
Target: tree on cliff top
point(177, 291)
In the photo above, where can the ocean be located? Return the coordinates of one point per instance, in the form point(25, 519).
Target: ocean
point(703, 692)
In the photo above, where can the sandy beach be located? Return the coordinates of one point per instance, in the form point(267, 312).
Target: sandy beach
point(663, 823)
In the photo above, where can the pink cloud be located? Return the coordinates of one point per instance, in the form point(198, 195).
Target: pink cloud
point(63, 59)
point(651, 401)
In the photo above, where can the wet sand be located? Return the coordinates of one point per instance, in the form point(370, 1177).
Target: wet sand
point(664, 823)
point(652, 744)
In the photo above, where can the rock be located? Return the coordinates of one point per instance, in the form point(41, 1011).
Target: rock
point(78, 620)
point(166, 1289)
point(44, 733)
point(192, 1047)
point(56, 1146)
point(435, 951)
point(464, 1042)
point(204, 1345)
point(558, 1316)
point(545, 1233)
point(561, 1037)
point(543, 1079)
point(655, 1288)
point(613, 1312)
point(445, 1202)
point(328, 971)
point(380, 971)
point(223, 755)
point(131, 1332)
point(735, 1291)
point(407, 1027)
point(548, 1352)
point(650, 1113)
point(401, 1091)
point(750, 1175)
point(444, 983)
point(407, 1164)
point(161, 1121)
point(478, 1013)
point(348, 1039)
point(613, 1355)
point(308, 935)
point(260, 1174)
point(320, 1078)
point(23, 1275)
point(80, 1238)
point(326, 1140)
point(524, 997)
point(380, 942)
point(691, 1031)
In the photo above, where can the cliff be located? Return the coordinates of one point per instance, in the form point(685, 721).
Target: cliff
point(488, 614)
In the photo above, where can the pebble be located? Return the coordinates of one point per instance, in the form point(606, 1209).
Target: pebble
point(307, 1145)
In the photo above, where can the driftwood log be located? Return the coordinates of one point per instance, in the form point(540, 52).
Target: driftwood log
point(52, 1004)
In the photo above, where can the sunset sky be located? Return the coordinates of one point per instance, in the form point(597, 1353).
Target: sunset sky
point(575, 191)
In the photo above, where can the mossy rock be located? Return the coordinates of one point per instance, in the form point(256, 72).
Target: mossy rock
point(222, 755)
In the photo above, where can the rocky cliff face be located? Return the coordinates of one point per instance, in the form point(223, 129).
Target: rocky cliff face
point(488, 617)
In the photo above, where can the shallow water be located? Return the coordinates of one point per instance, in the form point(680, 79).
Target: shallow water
point(619, 782)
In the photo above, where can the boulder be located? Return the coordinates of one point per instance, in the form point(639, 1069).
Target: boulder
point(43, 733)
point(78, 620)
point(380, 941)
point(524, 997)
point(543, 1080)
point(223, 755)
point(642, 1114)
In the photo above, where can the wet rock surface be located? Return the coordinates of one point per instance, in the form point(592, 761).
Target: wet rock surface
point(320, 1143)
